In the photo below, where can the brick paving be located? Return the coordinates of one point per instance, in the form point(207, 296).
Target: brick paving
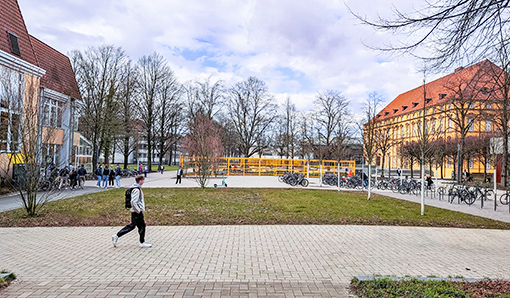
point(243, 261)
point(240, 261)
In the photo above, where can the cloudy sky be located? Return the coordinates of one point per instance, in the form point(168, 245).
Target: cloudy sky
point(297, 47)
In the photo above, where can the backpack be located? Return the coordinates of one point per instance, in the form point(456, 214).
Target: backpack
point(128, 197)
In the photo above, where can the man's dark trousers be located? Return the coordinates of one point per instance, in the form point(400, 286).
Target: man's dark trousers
point(136, 221)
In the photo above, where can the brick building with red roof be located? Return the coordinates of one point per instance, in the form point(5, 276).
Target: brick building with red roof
point(38, 86)
point(457, 107)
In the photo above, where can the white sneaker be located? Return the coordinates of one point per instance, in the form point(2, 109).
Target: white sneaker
point(114, 240)
point(145, 244)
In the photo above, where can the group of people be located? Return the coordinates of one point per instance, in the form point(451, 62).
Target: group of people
point(107, 175)
point(68, 174)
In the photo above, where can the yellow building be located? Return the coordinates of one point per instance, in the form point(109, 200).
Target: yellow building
point(460, 108)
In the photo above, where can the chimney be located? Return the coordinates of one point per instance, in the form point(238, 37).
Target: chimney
point(459, 69)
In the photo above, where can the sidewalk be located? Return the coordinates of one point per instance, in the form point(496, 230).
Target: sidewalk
point(240, 261)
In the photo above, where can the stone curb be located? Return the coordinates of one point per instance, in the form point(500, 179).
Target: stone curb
point(399, 278)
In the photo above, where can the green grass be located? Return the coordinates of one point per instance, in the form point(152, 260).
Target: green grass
point(385, 287)
point(4, 282)
point(245, 206)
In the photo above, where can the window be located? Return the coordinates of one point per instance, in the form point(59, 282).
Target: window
point(488, 125)
point(471, 105)
point(407, 131)
point(427, 100)
point(52, 113)
point(441, 125)
point(395, 111)
point(404, 108)
point(442, 96)
point(415, 104)
point(11, 109)
point(449, 124)
point(386, 113)
point(13, 39)
point(471, 162)
point(433, 126)
point(487, 106)
point(470, 124)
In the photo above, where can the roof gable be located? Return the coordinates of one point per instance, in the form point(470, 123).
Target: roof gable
point(59, 72)
point(435, 92)
point(11, 21)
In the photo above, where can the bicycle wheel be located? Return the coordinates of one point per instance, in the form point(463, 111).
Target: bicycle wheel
point(304, 182)
point(489, 195)
point(504, 198)
point(468, 197)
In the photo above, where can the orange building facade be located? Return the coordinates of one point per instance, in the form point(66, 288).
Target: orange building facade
point(458, 110)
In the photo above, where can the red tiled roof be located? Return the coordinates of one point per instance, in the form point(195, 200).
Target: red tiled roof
point(59, 73)
point(413, 100)
point(12, 21)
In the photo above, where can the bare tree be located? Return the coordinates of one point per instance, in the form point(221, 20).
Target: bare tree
point(203, 144)
point(169, 119)
point(128, 92)
point(330, 109)
point(449, 31)
point(22, 135)
point(97, 73)
point(384, 143)
point(153, 72)
point(499, 97)
point(252, 110)
point(204, 97)
point(464, 108)
point(306, 136)
point(368, 128)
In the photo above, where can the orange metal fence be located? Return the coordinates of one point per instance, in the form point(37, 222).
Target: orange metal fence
point(245, 166)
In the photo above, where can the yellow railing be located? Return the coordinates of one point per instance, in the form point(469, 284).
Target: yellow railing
point(245, 166)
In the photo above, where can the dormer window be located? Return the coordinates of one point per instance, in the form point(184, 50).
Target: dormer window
point(13, 39)
point(485, 91)
point(415, 104)
point(395, 110)
point(427, 100)
point(386, 113)
point(404, 108)
point(378, 115)
point(442, 96)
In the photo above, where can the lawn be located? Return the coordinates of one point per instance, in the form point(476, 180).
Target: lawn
point(245, 206)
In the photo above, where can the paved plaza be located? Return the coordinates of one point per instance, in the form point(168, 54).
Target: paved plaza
point(240, 261)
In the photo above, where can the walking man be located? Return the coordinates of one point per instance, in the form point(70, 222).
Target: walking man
point(179, 175)
point(137, 209)
point(81, 176)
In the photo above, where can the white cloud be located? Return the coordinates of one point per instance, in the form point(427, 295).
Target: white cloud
point(297, 47)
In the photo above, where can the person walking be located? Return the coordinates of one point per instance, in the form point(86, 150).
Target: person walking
point(137, 209)
point(117, 175)
point(64, 177)
point(161, 168)
point(146, 171)
point(179, 175)
point(73, 175)
point(99, 174)
point(106, 174)
point(81, 176)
